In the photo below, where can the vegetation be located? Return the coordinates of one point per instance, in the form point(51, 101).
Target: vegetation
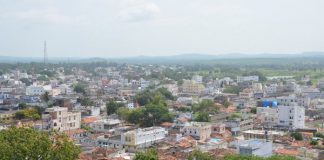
point(150, 154)
point(205, 106)
point(112, 107)
point(231, 89)
point(26, 143)
point(28, 113)
point(314, 142)
point(202, 117)
point(85, 101)
point(79, 88)
point(297, 136)
point(199, 155)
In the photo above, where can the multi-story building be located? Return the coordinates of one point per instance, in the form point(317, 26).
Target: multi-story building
point(247, 78)
point(267, 116)
point(197, 79)
point(105, 125)
point(35, 90)
point(255, 147)
point(236, 126)
point(58, 118)
point(200, 131)
point(192, 88)
point(291, 116)
point(142, 137)
point(262, 134)
point(291, 100)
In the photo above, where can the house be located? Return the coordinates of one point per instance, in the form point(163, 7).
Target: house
point(199, 131)
point(291, 116)
point(255, 147)
point(142, 137)
point(105, 125)
point(58, 118)
point(236, 126)
point(247, 78)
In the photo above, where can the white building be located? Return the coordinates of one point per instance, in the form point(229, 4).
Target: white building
point(105, 125)
point(199, 131)
point(291, 116)
point(58, 118)
point(247, 78)
point(35, 90)
point(291, 100)
point(255, 147)
point(142, 137)
point(197, 79)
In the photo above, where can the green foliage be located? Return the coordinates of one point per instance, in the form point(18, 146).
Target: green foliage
point(231, 89)
point(123, 113)
point(85, 127)
point(26, 143)
point(205, 106)
point(235, 116)
point(22, 105)
point(46, 97)
point(85, 101)
point(253, 110)
point(199, 155)
point(26, 81)
point(112, 107)
point(166, 94)
point(42, 78)
point(79, 88)
point(28, 113)
point(318, 134)
point(247, 157)
point(150, 154)
point(314, 142)
point(135, 116)
point(202, 117)
point(297, 136)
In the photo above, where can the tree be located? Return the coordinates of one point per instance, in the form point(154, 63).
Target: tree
point(85, 101)
point(135, 116)
point(231, 89)
point(150, 154)
point(112, 107)
point(314, 142)
point(28, 113)
point(165, 93)
point(79, 88)
point(199, 155)
point(202, 117)
point(297, 136)
point(27, 143)
point(253, 110)
point(46, 97)
point(205, 105)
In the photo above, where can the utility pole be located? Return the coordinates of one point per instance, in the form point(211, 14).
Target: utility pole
point(45, 53)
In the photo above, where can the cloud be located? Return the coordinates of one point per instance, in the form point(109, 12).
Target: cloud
point(138, 10)
point(46, 15)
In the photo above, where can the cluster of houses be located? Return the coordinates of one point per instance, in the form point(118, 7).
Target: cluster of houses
point(258, 120)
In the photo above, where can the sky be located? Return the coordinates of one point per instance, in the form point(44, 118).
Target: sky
point(121, 28)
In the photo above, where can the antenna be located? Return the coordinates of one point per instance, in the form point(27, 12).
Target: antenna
point(45, 53)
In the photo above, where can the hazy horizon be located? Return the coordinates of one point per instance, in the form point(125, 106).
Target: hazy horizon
point(128, 28)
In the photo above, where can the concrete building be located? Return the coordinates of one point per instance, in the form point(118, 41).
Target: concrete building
point(255, 147)
point(192, 88)
point(35, 90)
point(247, 78)
point(197, 79)
point(236, 126)
point(291, 116)
point(58, 118)
point(142, 137)
point(267, 116)
point(291, 100)
point(104, 125)
point(199, 131)
point(262, 134)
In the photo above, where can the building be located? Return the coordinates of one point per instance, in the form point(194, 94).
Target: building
point(255, 147)
point(199, 131)
point(58, 118)
point(197, 79)
point(105, 125)
point(262, 134)
point(292, 100)
point(190, 87)
point(142, 137)
point(236, 126)
point(247, 78)
point(35, 90)
point(291, 116)
point(267, 116)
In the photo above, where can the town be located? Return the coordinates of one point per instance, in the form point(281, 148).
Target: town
point(170, 112)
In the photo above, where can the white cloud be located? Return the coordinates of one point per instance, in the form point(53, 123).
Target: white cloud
point(138, 10)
